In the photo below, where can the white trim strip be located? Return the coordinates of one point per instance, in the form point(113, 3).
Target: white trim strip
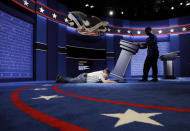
point(41, 43)
point(61, 47)
point(41, 50)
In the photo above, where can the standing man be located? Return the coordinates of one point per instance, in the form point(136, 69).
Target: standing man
point(152, 56)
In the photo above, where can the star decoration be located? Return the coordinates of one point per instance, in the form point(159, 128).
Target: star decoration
point(130, 116)
point(48, 97)
point(172, 30)
point(160, 31)
point(109, 29)
point(129, 31)
point(118, 31)
point(41, 10)
point(54, 15)
point(26, 3)
point(40, 89)
point(66, 20)
point(184, 29)
point(138, 32)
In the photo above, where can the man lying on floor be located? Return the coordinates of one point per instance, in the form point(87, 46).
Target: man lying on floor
point(93, 77)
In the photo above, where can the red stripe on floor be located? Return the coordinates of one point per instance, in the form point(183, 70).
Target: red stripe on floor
point(49, 120)
point(122, 103)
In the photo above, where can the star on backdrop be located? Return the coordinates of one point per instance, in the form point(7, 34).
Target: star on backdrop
point(172, 30)
point(160, 31)
point(26, 3)
point(54, 15)
point(41, 10)
point(184, 29)
point(118, 31)
point(138, 32)
point(109, 29)
point(48, 97)
point(130, 116)
point(66, 20)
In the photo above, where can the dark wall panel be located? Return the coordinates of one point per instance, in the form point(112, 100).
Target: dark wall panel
point(52, 50)
point(185, 54)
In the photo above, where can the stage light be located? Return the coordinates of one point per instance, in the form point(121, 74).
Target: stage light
point(111, 12)
point(138, 32)
point(188, 3)
point(172, 8)
point(87, 5)
point(172, 30)
point(122, 12)
point(91, 6)
point(181, 3)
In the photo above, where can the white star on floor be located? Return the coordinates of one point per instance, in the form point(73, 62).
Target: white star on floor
point(54, 15)
point(41, 10)
point(48, 97)
point(40, 89)
point(132, 116)
point(26, 3)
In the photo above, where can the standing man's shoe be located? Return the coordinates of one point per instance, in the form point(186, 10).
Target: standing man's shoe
point(143, 80)
point(154, 80)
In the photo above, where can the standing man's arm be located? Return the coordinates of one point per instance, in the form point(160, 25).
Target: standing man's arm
point(152, 40)
point(142, 45)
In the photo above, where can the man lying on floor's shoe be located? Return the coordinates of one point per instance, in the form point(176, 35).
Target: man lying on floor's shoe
point(94, 77)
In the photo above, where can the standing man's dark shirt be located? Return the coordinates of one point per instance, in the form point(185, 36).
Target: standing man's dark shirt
point(152, 48)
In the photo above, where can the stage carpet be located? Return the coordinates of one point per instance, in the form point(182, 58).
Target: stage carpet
point(132, 106)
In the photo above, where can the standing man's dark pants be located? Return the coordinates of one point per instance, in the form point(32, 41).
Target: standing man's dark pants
point(151, 61)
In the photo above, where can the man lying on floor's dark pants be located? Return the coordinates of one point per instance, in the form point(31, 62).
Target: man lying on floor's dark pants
point(94, 77)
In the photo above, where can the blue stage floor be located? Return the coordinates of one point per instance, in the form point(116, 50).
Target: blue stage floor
point(132, 106)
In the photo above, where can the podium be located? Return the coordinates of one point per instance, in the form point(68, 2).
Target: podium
point(128, 49)
point(168, 61)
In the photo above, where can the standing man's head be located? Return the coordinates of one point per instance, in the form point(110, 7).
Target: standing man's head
point(148, 30)
point(106, 72)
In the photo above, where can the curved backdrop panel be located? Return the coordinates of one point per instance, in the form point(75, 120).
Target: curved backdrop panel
point(172, 35)
point(16, 48)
